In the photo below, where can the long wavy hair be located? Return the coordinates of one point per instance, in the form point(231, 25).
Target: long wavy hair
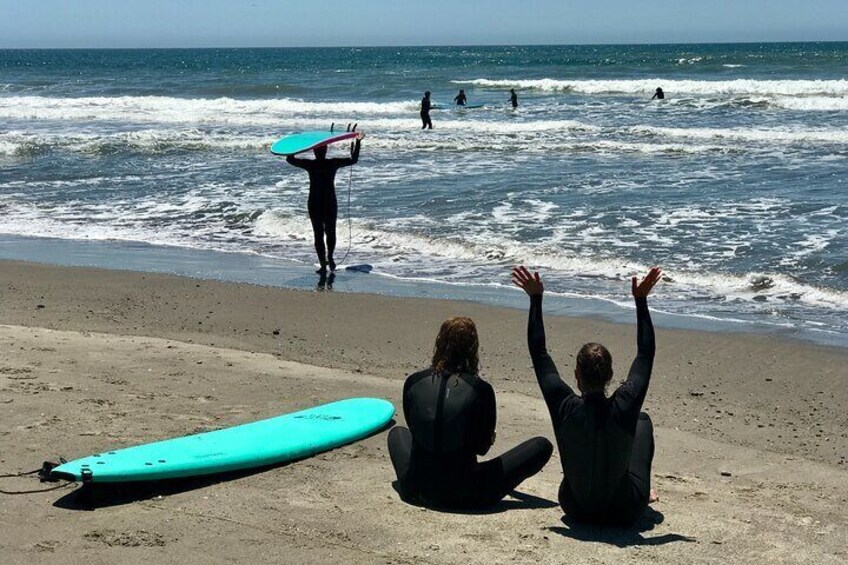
point(456, 349)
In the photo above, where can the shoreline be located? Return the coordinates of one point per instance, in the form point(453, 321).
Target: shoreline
point(721, 386)
point(258, 269)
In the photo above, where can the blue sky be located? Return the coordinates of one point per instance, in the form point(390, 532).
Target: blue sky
point(282, 23)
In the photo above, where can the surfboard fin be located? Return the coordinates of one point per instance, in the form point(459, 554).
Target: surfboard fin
point(332, 126)
point(354, 126)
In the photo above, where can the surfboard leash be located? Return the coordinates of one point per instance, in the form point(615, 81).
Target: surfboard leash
point(44, 476)
point(349, 220)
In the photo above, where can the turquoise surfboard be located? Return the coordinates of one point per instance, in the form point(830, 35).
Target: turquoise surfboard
point(257, 444)
point(308, 140)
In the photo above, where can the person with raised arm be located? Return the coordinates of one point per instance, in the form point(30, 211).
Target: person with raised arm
point(606, 443)
point(322, 204)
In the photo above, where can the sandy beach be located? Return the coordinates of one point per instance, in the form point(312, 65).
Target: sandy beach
point(752, 433)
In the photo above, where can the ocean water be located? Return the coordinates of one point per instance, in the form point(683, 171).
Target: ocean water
point(736, 184)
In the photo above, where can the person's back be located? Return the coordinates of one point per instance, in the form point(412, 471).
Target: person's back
point(606, 444)
point(452, 420)
point(451, 414)
point(599, 434)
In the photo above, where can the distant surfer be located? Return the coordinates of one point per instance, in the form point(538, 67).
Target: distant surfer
point(460, 99)
point(426, 122)
point(658, 95)
point(606, 443)
point(322, 204)
point(513, 98)
point(451, 414)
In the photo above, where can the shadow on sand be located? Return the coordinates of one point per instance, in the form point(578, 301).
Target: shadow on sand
point(518, 501)
point(103, 495)
point(620, 536)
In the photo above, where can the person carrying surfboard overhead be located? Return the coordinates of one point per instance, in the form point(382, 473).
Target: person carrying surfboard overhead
point(606, 444)
point(461, 99)
point(322, 203)
point(426, 104)
point(451, 416)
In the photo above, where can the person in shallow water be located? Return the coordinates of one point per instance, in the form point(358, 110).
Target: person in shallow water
point(659, 94)
point(322, 204)
point(513, 98)
point(451, 416)
point(460, 99)
point(426, 122)
point(606, 444)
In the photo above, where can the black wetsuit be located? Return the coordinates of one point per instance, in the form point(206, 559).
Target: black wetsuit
point(460, 99)
point(606, 444)
point(426, 122)
point(514, 100)
point(451, 421)
point(322, 204)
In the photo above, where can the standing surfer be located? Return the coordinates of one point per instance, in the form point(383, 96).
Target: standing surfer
point(513, 98)
point(426, 122)
point(322, 204)
point(460, 99)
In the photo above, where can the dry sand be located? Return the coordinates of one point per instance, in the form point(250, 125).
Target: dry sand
point(93, 359)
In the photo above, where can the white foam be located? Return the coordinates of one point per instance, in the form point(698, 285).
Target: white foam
point(754, 135)
point(674, 86)
point(147, 109)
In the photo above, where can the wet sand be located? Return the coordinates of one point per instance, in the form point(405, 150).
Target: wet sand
point(751, 431)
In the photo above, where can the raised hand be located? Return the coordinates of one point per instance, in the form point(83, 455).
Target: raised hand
point(643, 288)
point(532, 284)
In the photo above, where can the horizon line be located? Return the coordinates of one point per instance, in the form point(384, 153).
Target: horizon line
point(387, 46)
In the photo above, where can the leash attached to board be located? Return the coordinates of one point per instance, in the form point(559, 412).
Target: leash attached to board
point(44, 476)
point(349, 184)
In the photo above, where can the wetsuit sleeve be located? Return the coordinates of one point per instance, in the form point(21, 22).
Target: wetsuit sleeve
point(486, 419)
point(554, 389)
point(297, 162)
point(348, 161)
point(631, 394)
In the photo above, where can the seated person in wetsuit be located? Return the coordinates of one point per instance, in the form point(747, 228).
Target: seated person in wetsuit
point(460, 99)
point(451, 416)
point(322, 205)
point(606, 444)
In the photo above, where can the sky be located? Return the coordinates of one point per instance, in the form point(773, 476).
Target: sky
point(305, 23)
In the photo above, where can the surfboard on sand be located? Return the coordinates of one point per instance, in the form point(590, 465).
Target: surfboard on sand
point(308, 140)
point(247, 446)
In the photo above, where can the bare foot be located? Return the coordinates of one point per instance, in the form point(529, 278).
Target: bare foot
point(653, 497)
